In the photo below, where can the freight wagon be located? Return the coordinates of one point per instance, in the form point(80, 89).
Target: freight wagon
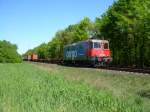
point(34, 57)
point(28, 57)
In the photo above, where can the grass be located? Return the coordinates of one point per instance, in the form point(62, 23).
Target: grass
point(26, 88)
point(132, 87)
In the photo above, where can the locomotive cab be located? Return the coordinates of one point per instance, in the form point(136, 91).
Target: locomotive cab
point(99, 51)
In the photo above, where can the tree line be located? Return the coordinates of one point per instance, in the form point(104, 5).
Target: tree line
point(126, 24)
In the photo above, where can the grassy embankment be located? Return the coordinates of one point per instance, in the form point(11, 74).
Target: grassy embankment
point(25, 88)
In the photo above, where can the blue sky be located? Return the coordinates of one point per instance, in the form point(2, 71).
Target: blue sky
point(29, 23)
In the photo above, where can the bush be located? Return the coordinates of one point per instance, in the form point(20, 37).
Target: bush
point(8, 53)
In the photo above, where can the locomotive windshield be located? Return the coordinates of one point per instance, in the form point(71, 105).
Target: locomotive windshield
point(97, 45)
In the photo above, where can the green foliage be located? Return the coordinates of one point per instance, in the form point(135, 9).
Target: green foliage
point(8, 53)
point(27, 88)
point(41, 50)
point(73, 33)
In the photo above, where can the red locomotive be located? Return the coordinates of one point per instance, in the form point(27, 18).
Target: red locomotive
point(93, 52)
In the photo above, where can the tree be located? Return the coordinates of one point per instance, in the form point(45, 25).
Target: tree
point(8, 53)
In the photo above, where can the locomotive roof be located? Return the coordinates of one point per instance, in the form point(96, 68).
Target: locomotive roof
point(100, 41)
point(91, 40)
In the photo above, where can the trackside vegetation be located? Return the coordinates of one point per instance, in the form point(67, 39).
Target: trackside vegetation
point(26, 88)
point(8, 53)
point(132, 87)
point(125, 24)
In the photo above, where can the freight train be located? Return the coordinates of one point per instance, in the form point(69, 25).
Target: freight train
point(90, 52)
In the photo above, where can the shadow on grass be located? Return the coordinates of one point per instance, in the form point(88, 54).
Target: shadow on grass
point(144, 93)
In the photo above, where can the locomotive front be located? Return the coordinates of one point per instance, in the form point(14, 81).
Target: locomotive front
point(99, 52)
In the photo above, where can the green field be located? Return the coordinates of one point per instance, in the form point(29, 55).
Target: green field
point(51, 88)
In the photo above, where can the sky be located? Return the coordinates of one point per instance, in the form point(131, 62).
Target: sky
point(28, 23)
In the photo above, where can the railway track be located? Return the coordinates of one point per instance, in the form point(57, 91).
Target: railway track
point(125, 69)
point(128, 69)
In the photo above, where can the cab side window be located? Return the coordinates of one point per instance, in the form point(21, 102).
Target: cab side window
point(105, 45)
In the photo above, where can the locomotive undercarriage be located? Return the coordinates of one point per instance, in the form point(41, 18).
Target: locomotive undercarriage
point(95, 62)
